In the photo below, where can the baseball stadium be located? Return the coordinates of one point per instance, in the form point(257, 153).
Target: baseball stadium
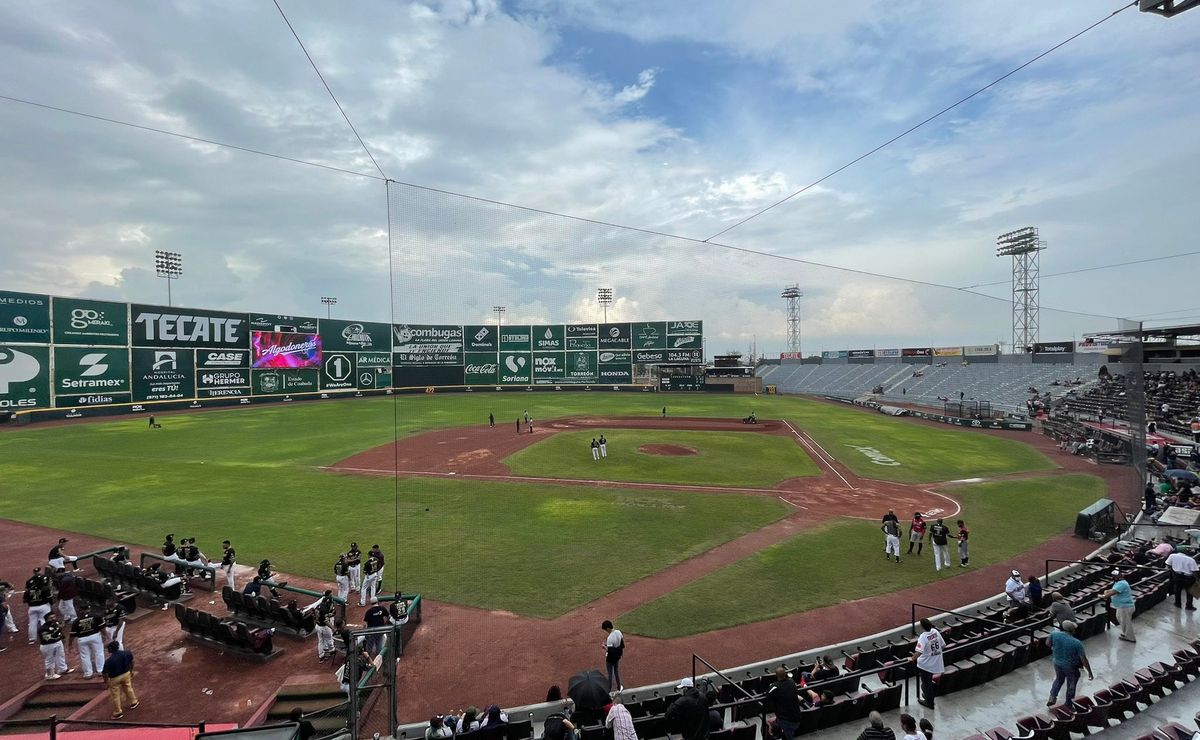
point(335, 455)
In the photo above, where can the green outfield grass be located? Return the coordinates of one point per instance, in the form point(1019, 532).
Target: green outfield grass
point(740, 459)
point(252, 475)
point(843, 560)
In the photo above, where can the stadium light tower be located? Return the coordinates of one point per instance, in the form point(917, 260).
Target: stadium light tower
point(168, 265)
point(793, 295)
point(605, 297)
point(329, 302)
point(499, 311)
point(1167, 8)
point(1023, 245)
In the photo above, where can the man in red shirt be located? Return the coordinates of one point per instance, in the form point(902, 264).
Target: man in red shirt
point(916, 533)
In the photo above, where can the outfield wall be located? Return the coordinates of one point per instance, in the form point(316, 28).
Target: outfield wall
point(70, 357)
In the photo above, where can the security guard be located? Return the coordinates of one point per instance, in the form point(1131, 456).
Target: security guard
point(85, 631)
point(38, 596)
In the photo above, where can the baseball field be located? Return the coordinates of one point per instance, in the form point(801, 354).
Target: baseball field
point(490, 518)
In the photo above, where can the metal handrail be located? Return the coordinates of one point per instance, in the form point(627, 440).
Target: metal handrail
point(210, 569)
point(714, 669)
point(54, 722)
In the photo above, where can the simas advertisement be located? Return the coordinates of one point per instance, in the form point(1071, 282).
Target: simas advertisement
point(281, 349)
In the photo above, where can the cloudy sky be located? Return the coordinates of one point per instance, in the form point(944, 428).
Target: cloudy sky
point(678, 117)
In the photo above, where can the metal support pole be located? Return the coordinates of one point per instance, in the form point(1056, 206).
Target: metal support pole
point(390, 677)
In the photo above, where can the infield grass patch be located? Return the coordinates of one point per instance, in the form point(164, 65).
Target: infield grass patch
point(843, 560)
point(739, 459)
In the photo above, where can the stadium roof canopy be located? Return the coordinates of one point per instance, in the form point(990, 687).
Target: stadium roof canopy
point(1149, 334)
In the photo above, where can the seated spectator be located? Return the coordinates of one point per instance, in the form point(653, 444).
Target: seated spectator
point(469, 721)
point(688, 715)
point(1033, 592)
point(824, 669)
point(554, 694)
point(307, 730)
point(558, 726)
point(1162, 550)
point(494, 719)
point(437, 729)
point(876, 730)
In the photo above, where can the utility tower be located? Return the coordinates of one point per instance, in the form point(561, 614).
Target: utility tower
point(1023, 245)
point(793, 295)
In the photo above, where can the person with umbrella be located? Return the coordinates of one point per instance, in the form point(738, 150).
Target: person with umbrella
point(589, 690)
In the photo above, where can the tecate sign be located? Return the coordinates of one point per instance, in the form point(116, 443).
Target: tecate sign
point(166, 327)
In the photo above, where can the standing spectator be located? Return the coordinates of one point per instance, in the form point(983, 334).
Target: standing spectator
point(784, 699)
point(354, 563)
point(38, 595)
point(85, 631)
point(939, 537)
point(620, 721)
point(614, 649)
point(114, 623)
point(1015, 590)
point(118, 674)
point(1183, 575)
point(1033, 592)
point(341, 574)
point(916, 533)
point(688, 715)
point(1069, 657)
point(908, 725)
point(376, 616)
point(59, 558)
point(50, 642)
point(876, 730)
point(603, 447)
point(930, 658)
point(68, 589)
point(1060, 610)
point(228, 561)
point(964, 552)
point(891, 538)
point(1122, 602)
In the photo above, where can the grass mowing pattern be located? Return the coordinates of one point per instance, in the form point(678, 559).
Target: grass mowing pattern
point(739, 459)
point(844, 559)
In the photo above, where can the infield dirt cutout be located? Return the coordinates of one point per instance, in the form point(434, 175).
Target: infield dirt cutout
point(668, 450)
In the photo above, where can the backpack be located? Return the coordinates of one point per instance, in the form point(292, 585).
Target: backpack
point(553, 728)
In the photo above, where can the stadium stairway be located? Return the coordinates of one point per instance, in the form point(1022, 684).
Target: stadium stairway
point(320, 698)
point(65, 700)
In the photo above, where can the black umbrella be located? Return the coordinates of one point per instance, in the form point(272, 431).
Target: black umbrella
point(589, 690)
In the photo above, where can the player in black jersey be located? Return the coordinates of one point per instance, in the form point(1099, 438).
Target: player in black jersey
point(114, 623)
point(341, 574)
point(354, 561)
point(228, 560)
point(85, 631)
point(38, 595)
point(50, 641)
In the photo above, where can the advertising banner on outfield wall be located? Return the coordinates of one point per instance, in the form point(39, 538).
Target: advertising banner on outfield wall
point(548, 338)
point(222, 382)
point(516, 338)
point(616, 357)
point(888, 352)
point(980, 350)
point(277, 349)
point(481, 369)
point(90, 322)
point(515, 367)
point(370, 378)
point(861, 354)
point(481, 338)
point(221, 358)
point(90, 376)
point(427, 344)
point(356, 336)
point(1053, 348)
point(582, 367)
point(649, 356)
point(549, 367)
point(283, 380)
point(615, 336)
point(947, 351)
point(163, 374)
point(790, 356)
point(684, 342)
point(339, 370)
point(675, 328)
point(375, 359)
point(835, 354)
point(588, 331)
point(1090, 346)
point(280, 322)
point(24, 317)
point(649, 334)
point(24, 378)
point(686, 356)
point(416, 376)
point(615, 373)
point(161, 326)
point(582, 343)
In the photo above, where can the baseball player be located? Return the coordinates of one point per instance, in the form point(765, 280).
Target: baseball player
point(891, 531)
point(595, 449)
point(192, 555)
point(85, 631)
point(59, 558)
point(354, 562)
point(38, 595)
point(266, 577)
point(378, 555)
point(370, 580)
point(939, 537)
point(68, 589)
point(6, 590)
point(325, 619)
point(50, 642)
point(341, 574)
point(228, 560)
point(916, 533)
point(603, 446)
point(529, 423)
point(114, 623)
point(168, 546)
point(964, 552)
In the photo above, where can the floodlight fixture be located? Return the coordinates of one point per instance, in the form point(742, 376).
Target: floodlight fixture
point(329, 302)
point(793, 295)
point(169, 266)
point(605, 297)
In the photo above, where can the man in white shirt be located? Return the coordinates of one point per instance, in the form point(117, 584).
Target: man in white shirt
point(1183, 575)
point(930, 660)
point(1015, 589)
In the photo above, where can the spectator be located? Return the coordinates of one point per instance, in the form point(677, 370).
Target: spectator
point(908, 725)
point(1015, 589)
point(494, 719)
point(876, 730)
point(824, 669)
point(930, 660)
point(614, 649)
point(558, 726)
point(376, 616)
point(554, 694)
point(469, 722)
point(437, 729)
point(306, 728)
point(1033, 592)
point(1122, 602)
point(688, 715)
point(1182, 569)
point(1060, 610)
point(1069, 657)
point(118, 675)
point(926, 728)
point(618, 719)
point(783, 698)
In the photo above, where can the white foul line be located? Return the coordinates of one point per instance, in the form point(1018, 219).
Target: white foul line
point(828, 462)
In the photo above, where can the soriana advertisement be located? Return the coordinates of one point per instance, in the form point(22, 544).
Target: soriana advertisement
point(284, 349)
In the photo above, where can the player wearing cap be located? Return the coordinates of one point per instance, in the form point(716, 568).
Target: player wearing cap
point(114, 623)
point(354, 562)
point(1015, 588)
point(168, 546)
point(50, 642)
point(939, 537)
point(228, 560)
point(595, 449)
point(341, 574)
point(370, 580)
point(916, 533)
point(59, 558)
point(85, 631)
point(378, 555)
point(891, 538)
point(38, 595)
point(964, 551)
point(324, 628)
point(603, 447)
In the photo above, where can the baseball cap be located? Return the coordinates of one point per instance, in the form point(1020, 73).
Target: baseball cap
point(1116, 571)
point(1016, 572)
point(685, 684)
point(62, 540)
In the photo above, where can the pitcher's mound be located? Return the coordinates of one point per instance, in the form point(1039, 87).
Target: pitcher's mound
point(671, 450)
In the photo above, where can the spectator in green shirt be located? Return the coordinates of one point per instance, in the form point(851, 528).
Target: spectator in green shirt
point(1069, 658)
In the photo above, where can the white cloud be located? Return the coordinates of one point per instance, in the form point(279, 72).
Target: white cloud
point(633, 93)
